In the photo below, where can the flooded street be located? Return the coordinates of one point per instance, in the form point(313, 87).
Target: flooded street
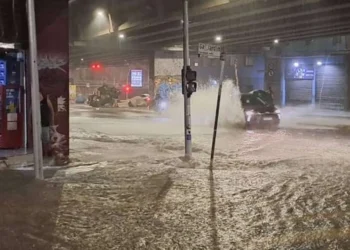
point(109, 111)
point(269, 190)
point(127, 188)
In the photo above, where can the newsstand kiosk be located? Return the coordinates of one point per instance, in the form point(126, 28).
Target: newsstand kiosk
point(11, 102)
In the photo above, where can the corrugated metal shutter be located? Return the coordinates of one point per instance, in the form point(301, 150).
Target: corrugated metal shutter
point(331, 87)
point(246, 84)
point(298, 92)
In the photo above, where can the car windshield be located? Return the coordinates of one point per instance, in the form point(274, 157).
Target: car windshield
point(257, 98)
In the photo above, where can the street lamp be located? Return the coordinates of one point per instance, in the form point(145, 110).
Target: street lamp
point(121, 36)
point(276, 41)
point(319, 63)
point(218, 38)
point(296, 64)
point(100, 13)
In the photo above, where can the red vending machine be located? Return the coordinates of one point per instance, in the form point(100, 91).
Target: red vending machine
point(11, 104)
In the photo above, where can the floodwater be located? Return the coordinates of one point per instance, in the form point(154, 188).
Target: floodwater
point(128, 187)
point(287, 189)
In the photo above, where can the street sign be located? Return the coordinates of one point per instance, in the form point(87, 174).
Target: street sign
point(209, 50)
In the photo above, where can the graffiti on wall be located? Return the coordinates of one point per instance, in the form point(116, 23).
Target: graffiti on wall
point(165, 90)
point(165, 86)
point(168, 66)
point(49, 61)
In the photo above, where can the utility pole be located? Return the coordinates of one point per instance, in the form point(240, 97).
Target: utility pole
point(36, 116)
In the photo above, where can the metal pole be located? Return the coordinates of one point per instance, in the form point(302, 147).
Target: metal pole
point(36, 116)
point(25, 117)
point(187, 102)
point(222, 58)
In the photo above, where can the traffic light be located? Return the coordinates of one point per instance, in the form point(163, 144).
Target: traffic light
point(190, 84)
point(127, 88)
point(96, 66)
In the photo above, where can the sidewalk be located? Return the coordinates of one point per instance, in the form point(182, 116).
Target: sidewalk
point(102, 208)
point(28, 211)
point(330, 114)
point(309, 111)
point(313, 118)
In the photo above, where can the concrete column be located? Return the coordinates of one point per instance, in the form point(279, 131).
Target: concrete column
point(283, 82)
point(314, 86)
point(347, 101)
point(151, 83)
point(52, 21)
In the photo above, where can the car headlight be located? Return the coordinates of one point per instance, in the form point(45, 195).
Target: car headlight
point(163, 105)
point(249, 113)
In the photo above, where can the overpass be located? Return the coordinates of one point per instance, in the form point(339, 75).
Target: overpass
point(110, 29)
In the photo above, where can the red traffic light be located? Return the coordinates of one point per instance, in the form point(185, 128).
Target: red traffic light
point(96, 66)
point(127, 88)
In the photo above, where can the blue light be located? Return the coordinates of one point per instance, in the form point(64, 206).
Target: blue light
point(3, 76)
point(319, 63)
point(296, 64)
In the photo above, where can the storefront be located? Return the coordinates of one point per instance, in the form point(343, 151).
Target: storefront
point(321, 81)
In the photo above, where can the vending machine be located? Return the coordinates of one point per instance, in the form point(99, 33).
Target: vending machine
point(11, 103)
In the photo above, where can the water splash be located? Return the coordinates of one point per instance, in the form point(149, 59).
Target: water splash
point(203, 106)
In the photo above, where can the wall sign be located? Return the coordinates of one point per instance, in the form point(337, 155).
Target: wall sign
point(136, 78)
point(300, 73)
point(11, 108)
point(11, 100)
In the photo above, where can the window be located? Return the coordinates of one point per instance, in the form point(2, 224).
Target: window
point(249, 61)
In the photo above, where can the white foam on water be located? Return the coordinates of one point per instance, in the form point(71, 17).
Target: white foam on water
point(203, 106)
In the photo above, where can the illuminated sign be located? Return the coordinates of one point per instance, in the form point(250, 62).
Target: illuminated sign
point(136, 78)
point(3, 77)
point(300, 73)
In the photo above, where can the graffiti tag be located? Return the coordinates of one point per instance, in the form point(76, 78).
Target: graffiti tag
point(52, 62)
point(61, 104)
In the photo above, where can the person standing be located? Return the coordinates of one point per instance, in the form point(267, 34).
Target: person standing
point(47, 120)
